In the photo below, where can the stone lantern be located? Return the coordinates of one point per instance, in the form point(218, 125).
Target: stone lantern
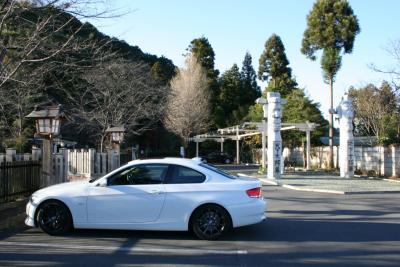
point(48, 121)
point(116, 135)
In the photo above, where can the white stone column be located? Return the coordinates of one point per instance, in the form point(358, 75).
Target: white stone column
point(262, 127)
point(274, 135)
point(346, 149)
point(308, 149)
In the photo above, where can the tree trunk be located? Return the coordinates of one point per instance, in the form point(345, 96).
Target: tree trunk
point(330, 161)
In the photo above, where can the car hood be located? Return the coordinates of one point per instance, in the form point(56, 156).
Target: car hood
point(64, 189)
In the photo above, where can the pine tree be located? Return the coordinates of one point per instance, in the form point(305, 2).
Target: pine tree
point(251, 91)
point(230, 94)
point(274, 67)
point(332, 28)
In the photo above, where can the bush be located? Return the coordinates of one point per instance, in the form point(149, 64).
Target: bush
point(371, 173)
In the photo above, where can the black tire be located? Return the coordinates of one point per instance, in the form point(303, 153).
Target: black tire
point(54, 218)
point(227, 161)
point(210, 222)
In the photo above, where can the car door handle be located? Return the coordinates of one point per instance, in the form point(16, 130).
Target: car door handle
point(156, 192)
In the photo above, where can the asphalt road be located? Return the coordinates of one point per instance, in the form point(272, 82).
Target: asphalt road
point(303, 229)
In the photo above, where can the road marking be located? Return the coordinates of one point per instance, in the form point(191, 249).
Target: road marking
point(126, 249)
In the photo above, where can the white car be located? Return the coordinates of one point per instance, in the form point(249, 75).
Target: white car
point(156, 194)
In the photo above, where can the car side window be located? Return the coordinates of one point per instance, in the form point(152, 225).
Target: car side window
point(139, 175)
point(184, 175)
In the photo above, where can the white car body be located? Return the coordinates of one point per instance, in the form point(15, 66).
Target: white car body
point(152, 206)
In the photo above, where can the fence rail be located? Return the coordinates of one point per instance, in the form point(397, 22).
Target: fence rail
point(18, 179)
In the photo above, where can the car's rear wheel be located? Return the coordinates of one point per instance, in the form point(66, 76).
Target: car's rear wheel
point(227, 161)
point(54, 218)
point(210, 222)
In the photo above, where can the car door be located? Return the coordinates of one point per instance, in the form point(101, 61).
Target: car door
point(136, 194)
point(185, 189)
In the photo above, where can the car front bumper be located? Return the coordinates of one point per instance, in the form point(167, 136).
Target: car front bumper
point(30, 214)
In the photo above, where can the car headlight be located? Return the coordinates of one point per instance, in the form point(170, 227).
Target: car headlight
point(33, 198)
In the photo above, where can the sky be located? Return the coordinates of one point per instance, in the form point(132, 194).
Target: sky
point(234, 27)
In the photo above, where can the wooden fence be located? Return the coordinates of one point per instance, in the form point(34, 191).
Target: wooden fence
point(19, 179)
point(87, 163)
point(71, 164)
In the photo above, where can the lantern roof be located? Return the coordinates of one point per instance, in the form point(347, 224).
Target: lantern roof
point(115, 129)
point(54, 111)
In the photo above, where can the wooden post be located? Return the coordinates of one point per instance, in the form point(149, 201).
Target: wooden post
point(237, 145)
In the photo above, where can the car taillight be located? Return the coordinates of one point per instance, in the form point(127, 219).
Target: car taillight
point(254, 192)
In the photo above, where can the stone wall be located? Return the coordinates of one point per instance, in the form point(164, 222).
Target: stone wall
point(383, 161)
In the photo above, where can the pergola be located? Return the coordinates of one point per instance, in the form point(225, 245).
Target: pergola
point(239, 132)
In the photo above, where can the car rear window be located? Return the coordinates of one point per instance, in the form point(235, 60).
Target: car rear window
point(185, 175)
point(219, 171)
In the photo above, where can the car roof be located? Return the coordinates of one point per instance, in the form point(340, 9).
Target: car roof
point(181, 161)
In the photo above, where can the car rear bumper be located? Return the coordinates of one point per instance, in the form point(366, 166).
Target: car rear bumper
point(249, 213)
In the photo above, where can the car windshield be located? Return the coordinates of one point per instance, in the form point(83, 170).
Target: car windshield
point(219, 171)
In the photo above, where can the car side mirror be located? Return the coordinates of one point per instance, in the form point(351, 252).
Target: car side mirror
point(102, 183)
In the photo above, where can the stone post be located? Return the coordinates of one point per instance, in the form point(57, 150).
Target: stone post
point(65, 165)
point(36, 153)
point(46, 163)
point(11, 154)
point(274, 135)
point(27, 156)
point(394, 161)
point(346, 149)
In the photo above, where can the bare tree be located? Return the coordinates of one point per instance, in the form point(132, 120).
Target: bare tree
point(188, 108)
point(376, 112)
point(120, 93)
point(36, 39)
point(393, 49)
point(28, 27)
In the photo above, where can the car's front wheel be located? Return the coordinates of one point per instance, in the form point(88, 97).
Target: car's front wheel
point(54, 218)
point(210, 222)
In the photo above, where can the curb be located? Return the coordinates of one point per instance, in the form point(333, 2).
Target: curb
point(270, 182)
point(265, 181)
point(392, 180)
point(316, 190)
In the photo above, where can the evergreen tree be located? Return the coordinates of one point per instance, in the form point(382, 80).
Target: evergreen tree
point(203, 51)
point(299, 109)
point(230, 94)
point(251, 91)
point(274, 67)
point(332, 28)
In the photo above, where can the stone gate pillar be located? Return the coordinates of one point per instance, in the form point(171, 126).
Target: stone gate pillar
point(346, 150)
point(274, 135)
